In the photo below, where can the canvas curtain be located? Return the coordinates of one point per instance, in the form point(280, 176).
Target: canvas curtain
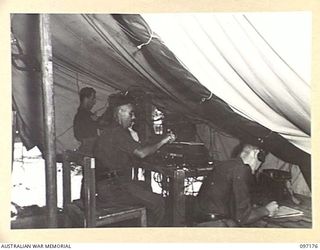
point(229, 56)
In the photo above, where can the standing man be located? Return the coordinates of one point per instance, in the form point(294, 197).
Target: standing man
point(85, 123)
point(225, 194)
point(115, 151)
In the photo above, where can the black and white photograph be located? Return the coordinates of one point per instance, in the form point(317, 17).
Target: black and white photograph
point(161, 120)
point(189, 120)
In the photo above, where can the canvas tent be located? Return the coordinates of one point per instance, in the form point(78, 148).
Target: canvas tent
point(123, 52)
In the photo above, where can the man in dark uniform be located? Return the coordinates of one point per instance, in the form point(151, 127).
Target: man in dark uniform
point(85, 123)
point(115, 150)
point(226, 192)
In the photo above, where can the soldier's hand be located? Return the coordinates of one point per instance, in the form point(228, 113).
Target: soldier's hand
point(272, 208)
point(170, 138)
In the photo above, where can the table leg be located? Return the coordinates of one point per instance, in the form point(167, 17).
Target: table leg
point(178, 198)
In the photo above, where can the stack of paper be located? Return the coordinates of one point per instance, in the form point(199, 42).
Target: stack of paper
point(287, 212)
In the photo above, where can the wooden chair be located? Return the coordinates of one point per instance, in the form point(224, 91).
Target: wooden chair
point(87, 210)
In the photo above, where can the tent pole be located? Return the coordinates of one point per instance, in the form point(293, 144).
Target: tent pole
point(14, 128)
point(49, 120)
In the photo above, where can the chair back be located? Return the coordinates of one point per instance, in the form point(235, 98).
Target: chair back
point(108, 215)
point(88, 170)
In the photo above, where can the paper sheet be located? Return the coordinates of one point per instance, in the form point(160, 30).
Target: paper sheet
point(285, 211)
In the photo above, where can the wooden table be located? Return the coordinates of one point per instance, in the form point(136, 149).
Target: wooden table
point(302, 221)
point(177, 198)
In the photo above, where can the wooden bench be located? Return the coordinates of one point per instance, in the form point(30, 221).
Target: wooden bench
point(87, 210)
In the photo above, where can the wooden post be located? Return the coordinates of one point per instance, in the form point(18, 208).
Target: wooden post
point(49, 119)
point(89, 191)
point(14, 128)
point(66, 183)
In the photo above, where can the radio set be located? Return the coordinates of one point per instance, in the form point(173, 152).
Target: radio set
point(183, 154)
point(274, 184)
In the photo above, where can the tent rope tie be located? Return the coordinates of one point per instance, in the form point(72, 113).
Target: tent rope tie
point(146, 43)
point(204, 99)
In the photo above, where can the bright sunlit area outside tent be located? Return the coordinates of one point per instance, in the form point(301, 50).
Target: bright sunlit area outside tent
point(28, 179)
point(161, 120)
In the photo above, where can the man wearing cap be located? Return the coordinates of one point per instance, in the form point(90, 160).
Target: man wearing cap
point(225, 195)
point(115, 150)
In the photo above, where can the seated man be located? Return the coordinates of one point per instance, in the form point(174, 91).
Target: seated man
point(114, 152)
point(85, 123)
point(225, 195)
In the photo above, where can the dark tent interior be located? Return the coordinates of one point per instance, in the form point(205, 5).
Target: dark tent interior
point(117, 52)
